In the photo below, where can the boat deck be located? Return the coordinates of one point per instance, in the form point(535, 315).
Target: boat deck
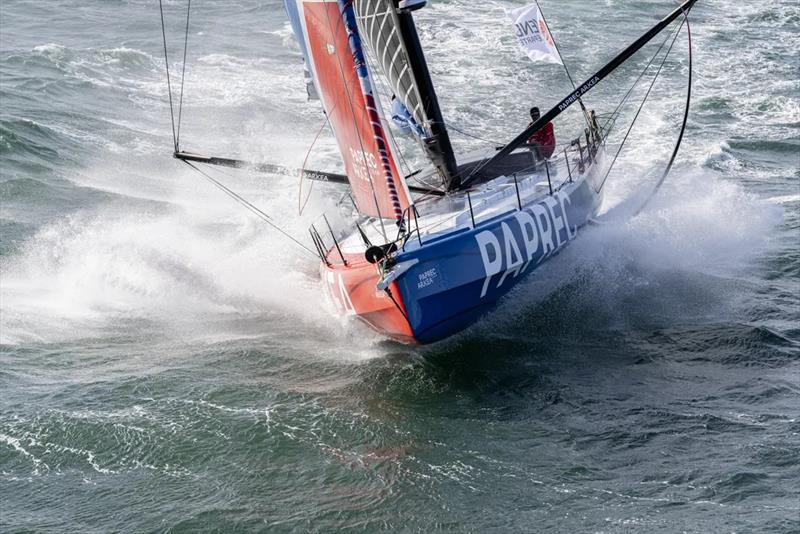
point(439, 215)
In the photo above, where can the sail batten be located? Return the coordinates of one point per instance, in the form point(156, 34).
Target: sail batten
point(392, 38)
point(387, 47)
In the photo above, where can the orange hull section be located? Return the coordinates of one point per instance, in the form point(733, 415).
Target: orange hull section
point(352, 289)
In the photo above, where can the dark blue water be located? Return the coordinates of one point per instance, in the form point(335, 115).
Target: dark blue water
point(167, 363)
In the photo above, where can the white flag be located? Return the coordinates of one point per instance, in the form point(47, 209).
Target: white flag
point(533, 35)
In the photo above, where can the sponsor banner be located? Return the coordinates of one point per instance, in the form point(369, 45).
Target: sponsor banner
point(533, 35)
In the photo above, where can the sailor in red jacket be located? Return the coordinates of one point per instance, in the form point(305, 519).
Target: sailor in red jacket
point(545, 139)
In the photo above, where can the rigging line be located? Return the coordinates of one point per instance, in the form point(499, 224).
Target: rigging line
point(183, 74)
point(249, 206)
point(431, 188)
point(450, 126)
point(641, 106)
point(397, 305)
point(598, 76)
point(403, 163)
point(385, 82)
point(352, 110)
point(341, 199)
point(641, 75)
point(169, 86)
point(627, 95)
point(382, 81)
point(683, 126)
point(571, 81)
point(388, 127)
point(302, 205)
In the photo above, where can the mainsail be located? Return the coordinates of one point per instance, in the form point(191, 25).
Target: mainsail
point(390, 34)
point(331, 37)
point(378, 22)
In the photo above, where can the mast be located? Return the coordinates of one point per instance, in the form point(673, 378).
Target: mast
point(438, 145)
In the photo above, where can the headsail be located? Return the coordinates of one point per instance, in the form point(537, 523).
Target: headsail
point(345, 89)
point(389, 32)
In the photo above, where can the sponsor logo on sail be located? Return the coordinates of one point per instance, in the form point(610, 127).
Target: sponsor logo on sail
point(364, 163)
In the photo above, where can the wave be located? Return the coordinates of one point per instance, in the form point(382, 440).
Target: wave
point(176, 267)
point(60, 70)
point(65, 57)
point(26, 138)
point(191, 258)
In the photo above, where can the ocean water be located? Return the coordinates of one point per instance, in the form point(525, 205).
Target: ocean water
point(167, 364)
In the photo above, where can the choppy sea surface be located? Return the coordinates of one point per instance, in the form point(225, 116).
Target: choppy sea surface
point(167, 364)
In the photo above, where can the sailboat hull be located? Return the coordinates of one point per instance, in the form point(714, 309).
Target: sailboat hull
point(441, 284)
point(352, 289)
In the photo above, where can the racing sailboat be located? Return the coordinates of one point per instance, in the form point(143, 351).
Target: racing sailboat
point(420, 263)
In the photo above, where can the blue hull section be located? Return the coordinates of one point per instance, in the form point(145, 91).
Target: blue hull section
point(457, 276)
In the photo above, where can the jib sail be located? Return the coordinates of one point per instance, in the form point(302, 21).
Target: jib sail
point(331, 37)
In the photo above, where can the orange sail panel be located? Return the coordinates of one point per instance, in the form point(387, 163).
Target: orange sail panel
point(346, 93)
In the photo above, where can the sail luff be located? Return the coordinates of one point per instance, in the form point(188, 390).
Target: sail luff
point(372, 108)
point(343, 84)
